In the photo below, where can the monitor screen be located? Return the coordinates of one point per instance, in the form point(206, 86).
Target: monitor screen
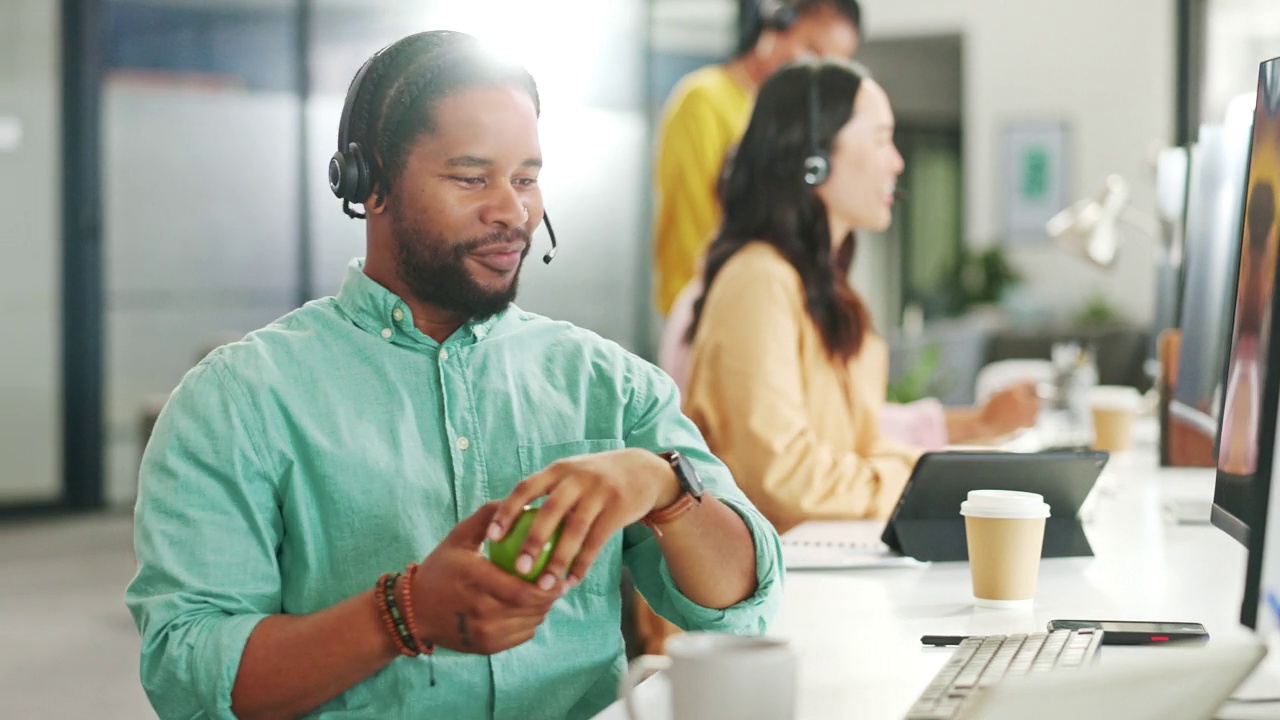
point(1215, 204)
point(1247, 435)
point(1260, 609)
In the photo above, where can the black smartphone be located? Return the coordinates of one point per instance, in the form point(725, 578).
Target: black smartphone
point(1128, 632)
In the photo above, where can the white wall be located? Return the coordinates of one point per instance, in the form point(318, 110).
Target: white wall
point(201, 238)
point(693, 27)
point(923, 76)
point(30, 242)
point(1104, 67)
point(1239, 34)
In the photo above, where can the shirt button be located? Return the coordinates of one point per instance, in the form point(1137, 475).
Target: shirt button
point(386, 333)
point(463, 443)
point(479, 332)
point(397, 314)
point(444, 354)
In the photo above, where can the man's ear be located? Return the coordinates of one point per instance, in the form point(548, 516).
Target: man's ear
point(376, 203)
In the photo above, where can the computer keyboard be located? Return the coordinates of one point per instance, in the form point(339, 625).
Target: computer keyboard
point(982, 661)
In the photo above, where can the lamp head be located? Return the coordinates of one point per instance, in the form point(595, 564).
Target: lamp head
point(1089, 228)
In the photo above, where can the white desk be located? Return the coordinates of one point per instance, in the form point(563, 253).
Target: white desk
point(857, 632)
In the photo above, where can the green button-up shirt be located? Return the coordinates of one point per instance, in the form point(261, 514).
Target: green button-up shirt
point(291, 469)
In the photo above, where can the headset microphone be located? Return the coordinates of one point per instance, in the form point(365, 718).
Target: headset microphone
point(546, 220)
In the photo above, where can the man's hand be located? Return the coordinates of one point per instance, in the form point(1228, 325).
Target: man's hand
point(1010, 409)
point(463, 602)
point(595, 496)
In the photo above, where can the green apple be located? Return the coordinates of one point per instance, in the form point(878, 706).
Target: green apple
point(504, 552)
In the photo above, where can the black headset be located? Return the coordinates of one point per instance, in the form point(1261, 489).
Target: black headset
point(778, 14)
point(350, 171)
point(817, 167)
point(350, 176)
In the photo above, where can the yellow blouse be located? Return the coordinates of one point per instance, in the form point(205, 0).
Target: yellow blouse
point(705, 115)
point(798, 429)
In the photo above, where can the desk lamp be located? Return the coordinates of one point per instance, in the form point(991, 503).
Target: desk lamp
point(1091, 227)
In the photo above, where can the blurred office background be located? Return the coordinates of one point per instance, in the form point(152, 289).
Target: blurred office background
point(162, 190)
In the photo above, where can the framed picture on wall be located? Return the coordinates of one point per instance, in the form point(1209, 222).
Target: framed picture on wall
point(1034, 176)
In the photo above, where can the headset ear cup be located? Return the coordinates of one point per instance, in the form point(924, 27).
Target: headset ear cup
point(349, 175)
point(362, 183)
point(816, 170)
point(340, 172)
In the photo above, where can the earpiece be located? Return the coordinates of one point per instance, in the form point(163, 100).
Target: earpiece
point(817, 167)
point(349, 176)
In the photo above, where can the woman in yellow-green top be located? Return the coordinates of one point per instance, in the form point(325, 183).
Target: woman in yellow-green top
point(787, 377)
point(707, 113)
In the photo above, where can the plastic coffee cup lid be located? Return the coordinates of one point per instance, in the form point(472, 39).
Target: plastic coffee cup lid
point(1004, 504)
point(1114, 397)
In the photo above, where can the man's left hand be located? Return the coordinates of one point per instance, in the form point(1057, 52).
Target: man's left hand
point(594, 496)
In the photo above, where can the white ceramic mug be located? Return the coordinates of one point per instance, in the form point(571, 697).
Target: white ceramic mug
point(713, 676)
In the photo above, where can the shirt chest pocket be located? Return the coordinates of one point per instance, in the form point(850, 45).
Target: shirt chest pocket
point(606, 572)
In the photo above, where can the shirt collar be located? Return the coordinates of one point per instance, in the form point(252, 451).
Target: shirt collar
point(378, 311)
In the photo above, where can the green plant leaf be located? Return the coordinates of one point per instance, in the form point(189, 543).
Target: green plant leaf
point(914, 383)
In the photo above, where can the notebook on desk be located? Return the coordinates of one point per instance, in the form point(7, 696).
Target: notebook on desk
point(839, 544)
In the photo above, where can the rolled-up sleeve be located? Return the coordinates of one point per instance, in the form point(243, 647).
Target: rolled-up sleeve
point(206, 531)
point(659, 426)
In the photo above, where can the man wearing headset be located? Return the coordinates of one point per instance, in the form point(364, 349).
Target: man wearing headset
point(406, 421)
point(708, 112)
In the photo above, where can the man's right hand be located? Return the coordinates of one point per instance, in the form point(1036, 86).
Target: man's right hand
point(463, 602)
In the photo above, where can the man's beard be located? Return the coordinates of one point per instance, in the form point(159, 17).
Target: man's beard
point(434, 270)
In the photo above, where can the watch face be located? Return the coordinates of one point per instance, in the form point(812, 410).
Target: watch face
point(688, 476)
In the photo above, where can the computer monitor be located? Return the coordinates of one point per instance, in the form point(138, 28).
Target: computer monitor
point(1215, 206)
point(1247, 440)
point(1260, 608)
point(1172, 178)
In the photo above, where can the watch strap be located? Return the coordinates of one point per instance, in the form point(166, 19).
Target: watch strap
point(665, 515)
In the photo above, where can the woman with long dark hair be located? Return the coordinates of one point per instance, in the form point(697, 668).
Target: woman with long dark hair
point(787, 377)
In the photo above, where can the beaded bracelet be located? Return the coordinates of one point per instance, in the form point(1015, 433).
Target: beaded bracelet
point(406, 602)
point(380, 604)
point(427, 647)
point(392, 618)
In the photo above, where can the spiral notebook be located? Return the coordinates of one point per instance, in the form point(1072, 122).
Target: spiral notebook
point(839, 544)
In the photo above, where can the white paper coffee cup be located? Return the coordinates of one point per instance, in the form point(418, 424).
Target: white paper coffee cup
point(1004, 530)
